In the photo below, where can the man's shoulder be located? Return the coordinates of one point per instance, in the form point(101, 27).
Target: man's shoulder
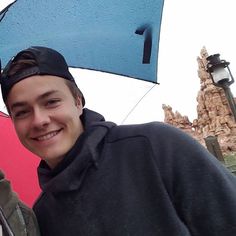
point(148, 130)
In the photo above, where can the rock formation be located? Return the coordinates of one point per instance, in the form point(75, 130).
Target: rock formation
point(177, 120)
point(214, 117)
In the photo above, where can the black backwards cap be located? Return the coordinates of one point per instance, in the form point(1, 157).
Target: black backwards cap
point(48, 62)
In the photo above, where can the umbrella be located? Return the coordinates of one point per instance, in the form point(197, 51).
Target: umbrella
point(115, 36)
point(18, 164)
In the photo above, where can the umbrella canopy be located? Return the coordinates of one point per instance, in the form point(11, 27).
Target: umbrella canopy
point(116, 36)
point(18, 164)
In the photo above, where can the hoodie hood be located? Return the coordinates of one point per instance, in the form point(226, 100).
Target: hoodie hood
point(69, 173)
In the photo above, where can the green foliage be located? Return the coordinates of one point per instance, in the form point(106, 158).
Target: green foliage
point(230, 162)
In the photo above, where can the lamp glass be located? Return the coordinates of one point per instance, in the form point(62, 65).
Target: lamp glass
point(220, 75)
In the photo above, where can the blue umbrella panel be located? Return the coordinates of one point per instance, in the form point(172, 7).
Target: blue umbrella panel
point(115, 36)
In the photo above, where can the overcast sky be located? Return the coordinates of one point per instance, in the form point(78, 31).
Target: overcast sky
point(187, 26)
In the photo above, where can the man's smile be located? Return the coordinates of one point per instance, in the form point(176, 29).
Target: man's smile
point(47, 136)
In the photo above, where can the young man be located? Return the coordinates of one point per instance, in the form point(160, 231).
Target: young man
point(15, 217)
point(98, 178)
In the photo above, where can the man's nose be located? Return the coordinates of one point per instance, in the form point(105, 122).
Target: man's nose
point(41, 118)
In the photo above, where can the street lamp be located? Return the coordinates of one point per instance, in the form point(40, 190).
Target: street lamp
point(222, 77)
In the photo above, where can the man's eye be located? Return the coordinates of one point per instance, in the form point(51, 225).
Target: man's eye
point(52, 102)
point(20, 114)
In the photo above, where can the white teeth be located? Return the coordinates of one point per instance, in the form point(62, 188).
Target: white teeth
point(47, 136)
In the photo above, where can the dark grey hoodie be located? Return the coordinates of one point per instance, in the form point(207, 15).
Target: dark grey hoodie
point(136, 180)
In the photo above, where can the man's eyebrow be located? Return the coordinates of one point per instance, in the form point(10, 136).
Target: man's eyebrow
point(41, 97)
point(18, 104)
point(47, 94)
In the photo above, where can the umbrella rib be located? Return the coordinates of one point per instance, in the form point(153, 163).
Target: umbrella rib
point(137, 104)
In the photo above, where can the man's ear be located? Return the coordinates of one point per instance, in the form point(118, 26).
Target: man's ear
point(78, 102)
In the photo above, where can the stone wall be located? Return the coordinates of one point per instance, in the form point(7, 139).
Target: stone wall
point(214, 117)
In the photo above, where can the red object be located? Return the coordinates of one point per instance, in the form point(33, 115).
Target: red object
point(18, 164)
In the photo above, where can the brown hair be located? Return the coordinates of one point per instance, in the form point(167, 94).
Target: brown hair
point(24, 61)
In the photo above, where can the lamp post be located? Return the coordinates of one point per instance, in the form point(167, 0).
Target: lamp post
point(222, 77)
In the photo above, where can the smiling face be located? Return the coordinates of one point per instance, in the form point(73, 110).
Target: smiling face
point(46, 116)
